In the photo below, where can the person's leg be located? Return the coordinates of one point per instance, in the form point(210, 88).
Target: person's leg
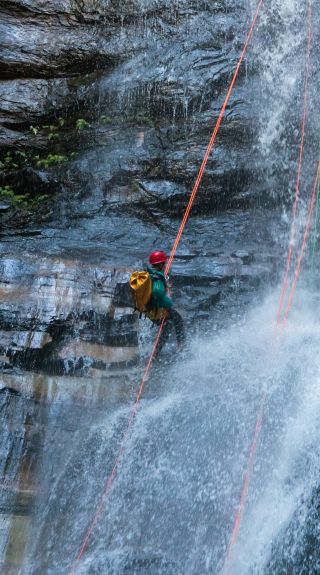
point(166, 330)
point(178, 326)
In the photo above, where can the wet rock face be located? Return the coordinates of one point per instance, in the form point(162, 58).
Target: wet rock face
point(63, 317)
point(43, 45)
point(67, 317)
point(150, 77)
point(55, 38)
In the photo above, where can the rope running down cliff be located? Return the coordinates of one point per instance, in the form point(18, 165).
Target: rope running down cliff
point(134, 409)
point(264, 395)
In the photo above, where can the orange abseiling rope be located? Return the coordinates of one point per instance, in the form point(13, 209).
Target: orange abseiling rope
point(110, 478)
point(246, 483)
point(109, 481)
point(212, 140)
point(304, 119)
point(258, 425)
point(304, 242)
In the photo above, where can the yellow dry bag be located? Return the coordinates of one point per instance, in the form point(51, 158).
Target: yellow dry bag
point(141, 289)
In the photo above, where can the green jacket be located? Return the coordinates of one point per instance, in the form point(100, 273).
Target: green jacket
point(159, 299)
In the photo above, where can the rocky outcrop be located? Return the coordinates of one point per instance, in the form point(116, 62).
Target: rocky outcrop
point(25, 101)
point(148, 77)
point(47, 49)
point(111, 104)
point(65, 316)
point(50, 39)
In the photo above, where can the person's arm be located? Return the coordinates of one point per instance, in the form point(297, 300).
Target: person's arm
point(160, 299)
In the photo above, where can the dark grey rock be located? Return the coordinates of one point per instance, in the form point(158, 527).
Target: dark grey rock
point(54, 38)
point(77, 323)
point(30, 100)
point(246, 257)
point(160, 92)
point(4, 207)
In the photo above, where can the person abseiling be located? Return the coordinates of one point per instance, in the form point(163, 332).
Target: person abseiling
point(159, 298)
point(151, 298)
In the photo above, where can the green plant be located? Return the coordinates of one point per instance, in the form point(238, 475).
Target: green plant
point(25, 202)
point(82, 124)
point(52, 131)
point(50, 160)
point(34, 130)
point(52, 135)
point(6, 193)
point(20, 201)
point(8, 162)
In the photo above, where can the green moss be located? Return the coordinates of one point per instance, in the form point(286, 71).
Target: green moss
point(6, 193)
point(8, 162)
point(82, 124)
point(50, 160)
point(53, 129)
point(34, 130)
point(20, 201)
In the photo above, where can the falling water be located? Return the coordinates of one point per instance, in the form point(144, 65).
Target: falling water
point(173, 503)
point(172, 506)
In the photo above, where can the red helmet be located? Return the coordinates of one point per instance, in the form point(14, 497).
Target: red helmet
point(157, 258)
